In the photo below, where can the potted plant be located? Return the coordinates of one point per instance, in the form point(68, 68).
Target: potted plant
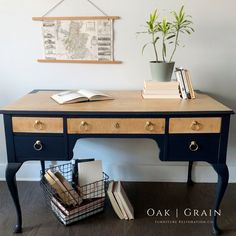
point(166, 33)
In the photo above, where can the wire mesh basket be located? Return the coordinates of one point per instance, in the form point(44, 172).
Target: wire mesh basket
point(68, 201)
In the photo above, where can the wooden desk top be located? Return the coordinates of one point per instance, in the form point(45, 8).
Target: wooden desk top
point(124, 101)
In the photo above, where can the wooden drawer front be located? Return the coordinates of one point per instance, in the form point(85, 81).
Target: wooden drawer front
point(40, 148)
point(37, 125)
point(195, 125)
point(122, 125)
point(195, 147)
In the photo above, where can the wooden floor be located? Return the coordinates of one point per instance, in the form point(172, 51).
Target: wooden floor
point(39, 221)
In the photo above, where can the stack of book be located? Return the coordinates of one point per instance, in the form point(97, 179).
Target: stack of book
point(120, 201)
point(155, 89)
point(68, 215)
point(185, 83)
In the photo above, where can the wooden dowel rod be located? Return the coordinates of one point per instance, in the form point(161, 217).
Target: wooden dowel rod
point(76, 18)
point(78, 61)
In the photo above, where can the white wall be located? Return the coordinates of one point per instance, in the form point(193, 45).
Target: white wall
point(209, 54)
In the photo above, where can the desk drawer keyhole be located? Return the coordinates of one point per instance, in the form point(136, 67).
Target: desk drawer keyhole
point(38, 145)
point(117, 125)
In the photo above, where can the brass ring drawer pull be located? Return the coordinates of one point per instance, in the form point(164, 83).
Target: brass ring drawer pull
point(38, 145)
point(84, 126)
point(39, 125)
point(193, 146)
point(149, 126)
point(196, 126)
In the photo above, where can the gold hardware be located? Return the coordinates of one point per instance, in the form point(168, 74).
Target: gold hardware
point(196, 126)
point(149, 126)
point(38, 145)
point(193, 146)
point(117, 125)
point(84, 125)
point(39, 125)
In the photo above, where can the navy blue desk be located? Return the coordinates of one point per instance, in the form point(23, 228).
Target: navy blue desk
point(37, 128)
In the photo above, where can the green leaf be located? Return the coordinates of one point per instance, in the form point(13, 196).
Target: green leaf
point(156, 39)
point(144, 47)
point(155, 15)
point(187, 31)
point(170, 37)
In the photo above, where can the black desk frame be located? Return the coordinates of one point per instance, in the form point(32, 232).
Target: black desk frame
point(218, 161)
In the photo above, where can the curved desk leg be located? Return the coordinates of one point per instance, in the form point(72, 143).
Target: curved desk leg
point(42, 167)
point(11, 171)
point(223, 177)
point(190, 167)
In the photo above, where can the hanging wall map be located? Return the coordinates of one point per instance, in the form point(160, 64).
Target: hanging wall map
point(78, 39)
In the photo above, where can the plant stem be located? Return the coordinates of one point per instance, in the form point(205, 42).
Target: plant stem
point(163, 52)
point(154, 46)
point(176, 42)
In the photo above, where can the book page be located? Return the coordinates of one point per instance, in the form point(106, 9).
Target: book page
point(94, 95)
point(68, 96)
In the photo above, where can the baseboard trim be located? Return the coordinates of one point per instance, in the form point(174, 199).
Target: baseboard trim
point(28, 172)
point(202, 173)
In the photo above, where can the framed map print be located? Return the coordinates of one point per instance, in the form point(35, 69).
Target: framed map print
point(78, 39)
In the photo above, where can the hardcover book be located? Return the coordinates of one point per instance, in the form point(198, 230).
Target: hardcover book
point(63, 188)
point(82, 95)
point(123, 201)
point(156, 85)
point(69, 212)
point(179, 78)
point(156, 90)
point(113, 201)
point(91, 173)
point(70, 219)
point(186, 87)
point(160, 96)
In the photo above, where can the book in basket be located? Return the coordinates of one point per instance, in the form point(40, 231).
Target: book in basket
point(82, 95)
point(90, 178)
point(63, 188)
point(77, 216)
point(68, 213)
point(85, 206)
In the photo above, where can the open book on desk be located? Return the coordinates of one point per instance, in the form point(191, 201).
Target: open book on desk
point(82, 95)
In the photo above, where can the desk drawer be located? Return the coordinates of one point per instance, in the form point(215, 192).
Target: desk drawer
point(116, 125)
point(195, 147)
point(40, 148)
point(195, 125)
point(37, 125)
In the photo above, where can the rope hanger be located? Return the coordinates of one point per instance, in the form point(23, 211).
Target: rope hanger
point(61, 1)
